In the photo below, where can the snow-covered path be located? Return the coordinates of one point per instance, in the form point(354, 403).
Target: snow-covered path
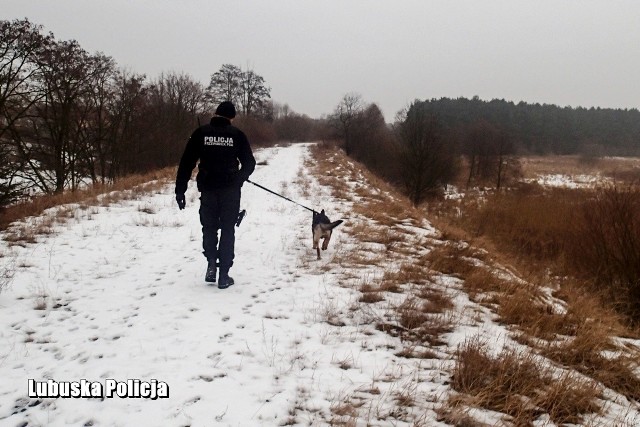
point(118, 293)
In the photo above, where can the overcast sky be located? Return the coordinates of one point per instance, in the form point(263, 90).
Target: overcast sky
point(312, 52)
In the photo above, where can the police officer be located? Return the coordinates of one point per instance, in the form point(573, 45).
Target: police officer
point(226, 161)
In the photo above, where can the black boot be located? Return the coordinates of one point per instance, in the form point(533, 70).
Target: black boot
point(211, 272)
point(224, 281)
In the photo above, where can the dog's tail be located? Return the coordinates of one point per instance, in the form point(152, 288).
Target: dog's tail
point(332, 225)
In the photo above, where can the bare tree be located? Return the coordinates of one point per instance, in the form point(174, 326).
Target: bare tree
point(94, 121)
point(20, 45)
point(344, 117)
point(173, 103)
point(508, 165)
point(125, 132)
point(67, 116)
point(427, 158)
point(225, 84)
point(373, 143)
point(281, 111)
point(253, 93)
point(490, 154)
point(294, 127)
point(68, 72)
point(245, 88)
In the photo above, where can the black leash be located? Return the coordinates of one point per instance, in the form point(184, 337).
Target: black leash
point(280, 195)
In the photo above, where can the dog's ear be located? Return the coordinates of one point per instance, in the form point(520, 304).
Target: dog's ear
point(322, 212)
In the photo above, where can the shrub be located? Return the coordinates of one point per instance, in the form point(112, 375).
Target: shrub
point(259, 132)
point(531, 225)
point(590, 235)
point(604, 246)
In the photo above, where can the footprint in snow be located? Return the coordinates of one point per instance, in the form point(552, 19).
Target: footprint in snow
point(209, 378)
point(224, 337)
point(192, 400)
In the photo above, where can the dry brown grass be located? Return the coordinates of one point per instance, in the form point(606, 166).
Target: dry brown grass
point(481, 280)
point(604, 247)
point(593, 235)
point(586, 353)
point(458, 416)
point(359, 255)
point(410, 314)
point(418, 324)
point(568, 398)
point(520, 384)
point(577, 338)
point(533, 166)
point(125, 188)
point(415, 351)
point(531, 226)
point(408, 272)
point(586, 307)
point(342, 409)
point(7, 272)
point(526, 229)
point(535, 318)
point(370, 294)
point(387, 211)
point(383, 236)
point(371, 297)
point(450, 259)
point(625, 176)
point(435, 300)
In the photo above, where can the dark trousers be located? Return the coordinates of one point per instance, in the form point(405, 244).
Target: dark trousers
point(219, 211)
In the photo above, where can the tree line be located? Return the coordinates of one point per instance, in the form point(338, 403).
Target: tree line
point(69, 117)
point(545, 128)
point(433, 143)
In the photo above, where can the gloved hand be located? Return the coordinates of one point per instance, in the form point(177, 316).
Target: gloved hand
point(239, 180)
point(181, 200)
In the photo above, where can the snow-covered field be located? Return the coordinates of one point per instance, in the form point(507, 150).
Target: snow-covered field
point(571, 181)
point(118, 293)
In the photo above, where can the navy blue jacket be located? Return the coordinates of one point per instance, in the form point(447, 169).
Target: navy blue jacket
point(224, 153)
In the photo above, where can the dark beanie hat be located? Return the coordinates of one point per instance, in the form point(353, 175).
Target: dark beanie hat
point(226, 109)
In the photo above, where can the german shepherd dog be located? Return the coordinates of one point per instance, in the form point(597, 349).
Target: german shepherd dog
point(322, 228)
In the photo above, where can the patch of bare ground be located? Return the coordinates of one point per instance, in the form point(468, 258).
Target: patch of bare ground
point(571, 354)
